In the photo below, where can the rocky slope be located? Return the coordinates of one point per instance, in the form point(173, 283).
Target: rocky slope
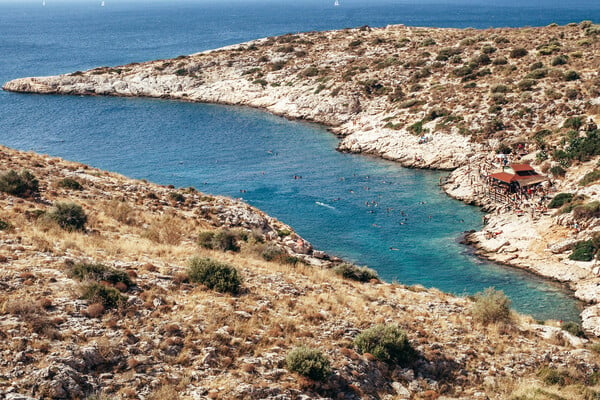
point(172, 338)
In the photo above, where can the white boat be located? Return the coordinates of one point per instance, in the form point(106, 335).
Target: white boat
point(336, 3)
point(102, 4)
point(43, 3)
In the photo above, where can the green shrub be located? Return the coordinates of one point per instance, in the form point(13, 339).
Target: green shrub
point(557, 170)
point(518, 52)
point(372, 87)
point(222, 239)
point(225, 240)
point(308, 362)
point(69, 216)
point(482, 59)
point(205, 239)
point(499, 98)
point(177, 197)
point(99, 272)
point(465, 70)
point(536, 65)
point(5, 226)
point(278, 65)
point(553, 376)
point(445, 53)
point(559, 60)
point(582, 148)
point(500, 61)
point(356, 273)
point(214, 275)
point(70, 183)
point(417, 128)
point(573, 328)
point(22, 184)
point(491, 306)
point(488, 49)
point(583, 251)
point(499, 89)
point(428, 42)
point(539, 73)
point(571, 76)
point(387, 343)
point(109, 297)
point(590, 177)
point(560, 199)
point(573, 123)
point(589, 210)
point(526, 84)
point(272, 252)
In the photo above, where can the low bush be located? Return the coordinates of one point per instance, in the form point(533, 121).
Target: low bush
point(108, 296)
point(310, 363)
point(553, 376)
point(387, 343)
point(590, 177)
point(588, 210)
point(557, 170)
point(70, 183)
point(272, 252)
point(571, 76)
point(499, 89)
point(356, 273)
point(491, 306)
point(518, 52)
point(222, 239)
point(68, 216)
point(560, 199)
point(573, 328)
point(573, 123)
point(214, 275)
point(176, 197)
point(5, 226)
point(526, 84)
point(559, 60)
point(583, 251)
point(539, 73)
point(99, 272)
point(21, 184)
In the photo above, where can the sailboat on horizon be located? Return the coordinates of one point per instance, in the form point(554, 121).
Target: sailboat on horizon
point(336, 3)
point(43, 3)
point(102, 3)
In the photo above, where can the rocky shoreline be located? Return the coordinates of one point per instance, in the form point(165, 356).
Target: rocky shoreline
point(424, 97)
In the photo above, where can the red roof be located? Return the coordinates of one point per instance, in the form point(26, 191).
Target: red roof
point(504, 177)
point(522, 180)
point(521, 167)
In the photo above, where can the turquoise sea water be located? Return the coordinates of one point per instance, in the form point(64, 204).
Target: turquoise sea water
point(364, 209)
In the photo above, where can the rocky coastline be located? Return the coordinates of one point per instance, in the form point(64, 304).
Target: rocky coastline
point(424, 97)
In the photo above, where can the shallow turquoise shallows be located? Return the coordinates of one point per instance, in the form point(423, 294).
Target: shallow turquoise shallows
point(366, 210)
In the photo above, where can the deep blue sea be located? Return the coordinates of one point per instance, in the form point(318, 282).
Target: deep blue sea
point(366, 210)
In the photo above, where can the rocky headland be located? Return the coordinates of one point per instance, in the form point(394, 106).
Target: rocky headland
point(428, 98)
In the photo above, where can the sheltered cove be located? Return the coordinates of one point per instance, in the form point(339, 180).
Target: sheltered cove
point(424, 97)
